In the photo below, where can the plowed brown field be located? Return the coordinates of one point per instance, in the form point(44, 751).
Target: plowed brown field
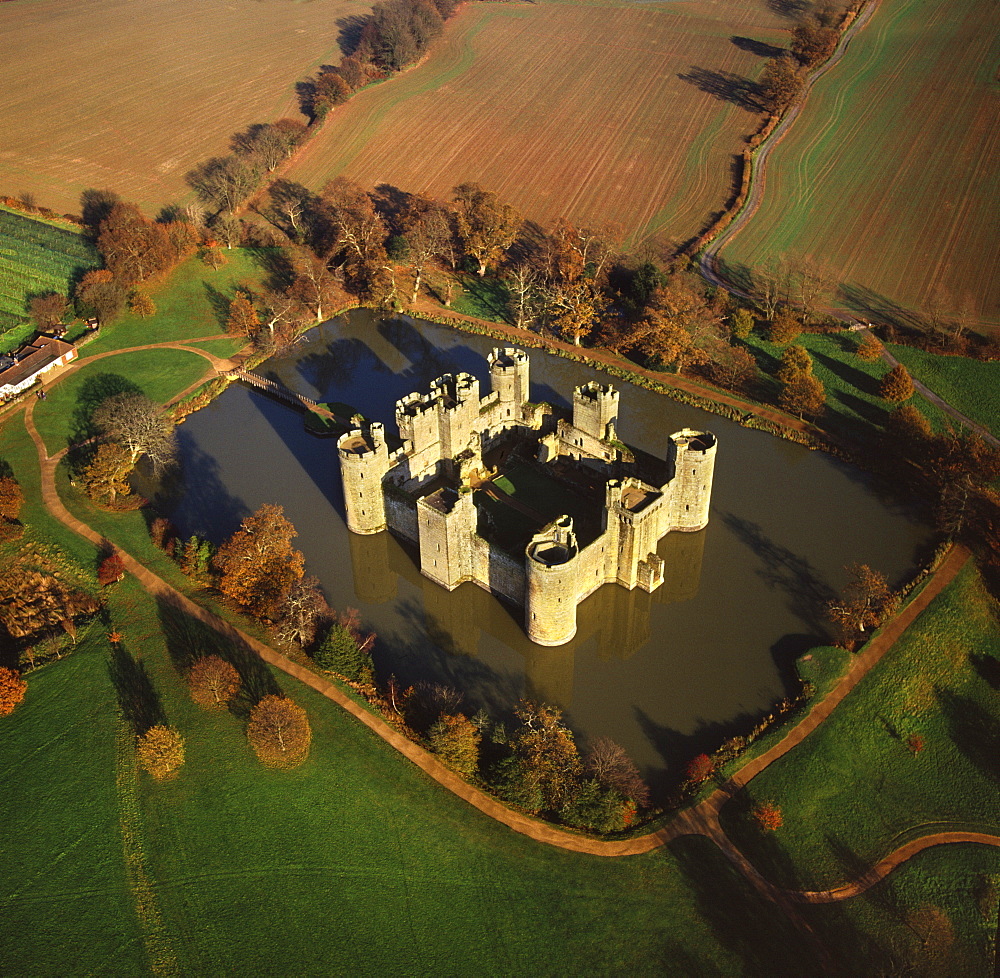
point(130, 94)
point(565, 109)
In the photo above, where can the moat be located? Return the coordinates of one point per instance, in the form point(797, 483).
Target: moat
point(666, 673)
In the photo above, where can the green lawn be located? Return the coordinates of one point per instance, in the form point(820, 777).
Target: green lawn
point(485, 298)
point(192, 302)
point(970, 386)
point(357, 864)
point(853, 404)
point(852, 791)
point(159, 374)
point(64, 896)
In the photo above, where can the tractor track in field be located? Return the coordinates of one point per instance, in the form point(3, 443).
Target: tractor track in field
point(707, 259)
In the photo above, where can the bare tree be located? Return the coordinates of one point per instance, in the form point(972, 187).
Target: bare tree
point(427, 232)
point(523, 281)
point(140, 426)
point(612, 767)
point(301, 611)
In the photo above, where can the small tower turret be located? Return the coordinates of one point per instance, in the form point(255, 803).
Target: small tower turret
point(691, 489)
point(595, 410)
point(509, 377)
point(446, 522)
point(551, 584)
point(364, 461)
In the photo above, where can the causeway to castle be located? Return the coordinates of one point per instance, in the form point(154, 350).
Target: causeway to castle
point(432, 489)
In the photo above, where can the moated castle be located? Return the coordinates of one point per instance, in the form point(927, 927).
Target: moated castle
point(439, 491)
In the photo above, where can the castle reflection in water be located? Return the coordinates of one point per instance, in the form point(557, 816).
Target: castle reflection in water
point(457, 620)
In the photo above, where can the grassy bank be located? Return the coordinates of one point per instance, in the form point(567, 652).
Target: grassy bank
point(971, 386)
point(853, 790)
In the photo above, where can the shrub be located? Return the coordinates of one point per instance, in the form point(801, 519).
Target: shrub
point(768, 816)
point(111, 569)
point(161, 751)
point(897, 385)
point(700, 768)
point(596, 808)
point(742, 323)
point(12, 690)
point(785, 328)
point(455, 739)
point(339, 652)
point(515, 784)
point(279, 732)
point(870, 349)
point(213, 682)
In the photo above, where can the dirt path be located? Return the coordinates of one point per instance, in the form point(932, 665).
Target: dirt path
point(884, 867)
point(936, 400)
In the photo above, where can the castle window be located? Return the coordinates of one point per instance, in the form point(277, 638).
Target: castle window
point(361, 474)
point(361, 495)
point(694, 472)
point(687, 507)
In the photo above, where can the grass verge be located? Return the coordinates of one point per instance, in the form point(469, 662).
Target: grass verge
point(853, 790)
point(971, 386)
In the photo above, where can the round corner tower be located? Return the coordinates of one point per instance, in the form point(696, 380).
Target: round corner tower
point(364, 461)
point(694, 468)
point(551, 585)
point(509, 375)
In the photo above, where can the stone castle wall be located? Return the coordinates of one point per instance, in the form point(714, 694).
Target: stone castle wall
point(444, 433)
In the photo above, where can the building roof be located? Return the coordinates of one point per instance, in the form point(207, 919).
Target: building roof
point(32, 358)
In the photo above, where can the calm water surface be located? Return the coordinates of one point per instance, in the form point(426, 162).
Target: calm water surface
point(665, 674)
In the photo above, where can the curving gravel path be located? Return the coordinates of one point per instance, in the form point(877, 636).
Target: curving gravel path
point(700, 819)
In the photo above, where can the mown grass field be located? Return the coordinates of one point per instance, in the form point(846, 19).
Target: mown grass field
point(565, 109)
point(130, 94)
point(889, 176)
point(971, 386)
point(852, 791)
point(193, 302)
point(36, 257)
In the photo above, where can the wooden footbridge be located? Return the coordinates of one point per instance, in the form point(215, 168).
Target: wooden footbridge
point(283, 393)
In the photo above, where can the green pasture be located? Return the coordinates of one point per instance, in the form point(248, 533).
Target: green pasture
point(970, 386)
point(192, 302)
point(37, 257)
point(67, 908)
point(852, 791)
point(853, 404)
point(64, 416)
point(355, 863)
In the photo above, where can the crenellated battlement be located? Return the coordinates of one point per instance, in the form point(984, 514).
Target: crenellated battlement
point(426, 491)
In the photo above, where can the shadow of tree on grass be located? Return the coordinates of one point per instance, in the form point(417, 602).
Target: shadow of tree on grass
point(138, 699)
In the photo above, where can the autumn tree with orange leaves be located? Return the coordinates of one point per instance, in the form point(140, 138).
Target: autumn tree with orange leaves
point(12, 689)
point(279, 732)
point(258, 564)
point(213, 682)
